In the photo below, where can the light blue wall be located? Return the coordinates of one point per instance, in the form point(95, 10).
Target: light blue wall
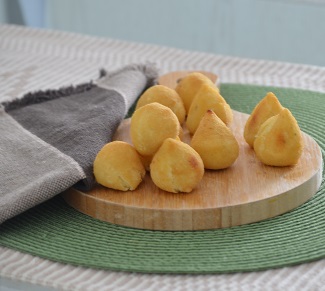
point(289, 30)
point(3, 17)
point(34, 12)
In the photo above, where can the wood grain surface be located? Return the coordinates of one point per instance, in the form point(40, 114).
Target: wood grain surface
point(246, 192)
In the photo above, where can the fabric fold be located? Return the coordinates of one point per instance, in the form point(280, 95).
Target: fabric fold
point(57, 134)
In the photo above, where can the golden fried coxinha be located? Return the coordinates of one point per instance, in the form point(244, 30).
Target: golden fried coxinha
point(188, 86)
point(208, 98)
point(266, 108)
point(165, 96)
point(279, 140)
point(215, 142)
point(151, 124)
point(176, 167)
point(118, 166)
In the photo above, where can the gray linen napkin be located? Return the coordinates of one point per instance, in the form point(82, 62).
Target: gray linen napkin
point(50, 139)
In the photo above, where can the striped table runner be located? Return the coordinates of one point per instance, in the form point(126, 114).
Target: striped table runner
point(32, 59)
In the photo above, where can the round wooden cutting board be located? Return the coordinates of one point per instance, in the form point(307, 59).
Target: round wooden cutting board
point(246, 192)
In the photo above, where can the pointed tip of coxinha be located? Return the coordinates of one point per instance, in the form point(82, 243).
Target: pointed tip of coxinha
point(266, 108)
point(208, 97)
point(279, 141)
point(271, 96)
point(215, 142)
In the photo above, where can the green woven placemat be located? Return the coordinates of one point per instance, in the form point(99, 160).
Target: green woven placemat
point(57, 232)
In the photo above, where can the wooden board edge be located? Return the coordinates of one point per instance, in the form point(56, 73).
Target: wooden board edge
point(193, 219)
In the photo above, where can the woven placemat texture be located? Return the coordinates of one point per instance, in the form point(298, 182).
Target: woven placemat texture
point(55, 231)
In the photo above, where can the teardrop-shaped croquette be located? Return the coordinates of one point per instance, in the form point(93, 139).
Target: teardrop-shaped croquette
point(118, 166)
point(176, 167)
point(151, 124)
point(279, 140)
point(208, 98)
point(165, 96)
point(266, 108)
point(215, 142)
point(189, 86)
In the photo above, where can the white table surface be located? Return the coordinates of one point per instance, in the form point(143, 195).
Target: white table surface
point(33, 59)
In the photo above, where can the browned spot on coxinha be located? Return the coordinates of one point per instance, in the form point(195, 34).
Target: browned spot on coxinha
point(281, 139)
point(193, 162)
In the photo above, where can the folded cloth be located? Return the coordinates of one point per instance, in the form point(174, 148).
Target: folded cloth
point(50, 139)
